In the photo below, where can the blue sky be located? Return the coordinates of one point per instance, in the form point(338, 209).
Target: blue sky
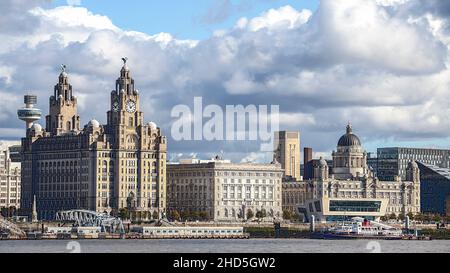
point(183, 19)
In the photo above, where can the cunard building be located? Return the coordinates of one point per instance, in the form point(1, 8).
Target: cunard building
point(121, 164)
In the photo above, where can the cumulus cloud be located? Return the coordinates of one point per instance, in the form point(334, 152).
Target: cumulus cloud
point(222, 10)
point(380, 64)
point(255, 158)
point(285, 17)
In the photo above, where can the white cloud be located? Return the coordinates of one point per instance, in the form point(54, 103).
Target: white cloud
point(256, 158)
point(361, 31)
point(70, 17)
point(285, 17)
point(381, 66)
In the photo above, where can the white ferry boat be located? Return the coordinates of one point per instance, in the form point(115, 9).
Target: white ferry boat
point(174, 232)
point(360, 228)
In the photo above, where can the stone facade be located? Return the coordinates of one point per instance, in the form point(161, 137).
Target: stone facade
point(294, 194)
point(350, 179)
point(99, 167)
point(10, 180)
point(225, 190)
point(287, 152)
point(350, 182)
point(403, 196)
point(349, 160)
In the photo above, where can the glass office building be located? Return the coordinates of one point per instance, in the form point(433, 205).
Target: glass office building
point(392, 162)
point(435, 189)
point(355, 206)
point(327, 209)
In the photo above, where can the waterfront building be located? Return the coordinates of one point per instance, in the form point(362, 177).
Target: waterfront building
point(352, 190)
point(372, 163)
point(224, 191)
point(435, 189)
point(14, 148)
point(350, 160)
point(316, 163)
point(287, 152)
point(10, 179)
point(102, 168)
point(307, 159)
point(294, 194)
point(393, 162)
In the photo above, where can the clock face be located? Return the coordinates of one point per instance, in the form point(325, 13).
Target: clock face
point(115, 106)
point(131, 106)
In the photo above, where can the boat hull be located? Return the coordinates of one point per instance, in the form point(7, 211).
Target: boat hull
point(333, 236)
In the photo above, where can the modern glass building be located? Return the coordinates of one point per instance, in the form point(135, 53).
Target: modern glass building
point(435, 189)
point(393, 162)
point(327, 209)
point(355, 206)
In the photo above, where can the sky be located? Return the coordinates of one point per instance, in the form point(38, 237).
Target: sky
point(381, 65)
point(184, 19)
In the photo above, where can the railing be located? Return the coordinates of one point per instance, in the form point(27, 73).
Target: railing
point(92, 218)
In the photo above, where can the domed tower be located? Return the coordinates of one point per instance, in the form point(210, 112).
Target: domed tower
point(413, 172)
point(321, 171)
point(350, 160)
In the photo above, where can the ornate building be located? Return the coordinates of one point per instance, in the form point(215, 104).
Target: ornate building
point(294, 194)
point(121, 164)
point(350, 160)
point(225, 191)
point(353, 190)
point(9, 179)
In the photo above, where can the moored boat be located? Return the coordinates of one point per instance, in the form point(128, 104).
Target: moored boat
point(360, 228)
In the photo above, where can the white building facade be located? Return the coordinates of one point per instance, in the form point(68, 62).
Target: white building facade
point(224, 190)
point(10, 181)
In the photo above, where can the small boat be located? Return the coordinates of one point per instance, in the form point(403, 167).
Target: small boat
point(360, 228)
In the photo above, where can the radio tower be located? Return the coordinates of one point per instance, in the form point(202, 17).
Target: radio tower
point(29, 114)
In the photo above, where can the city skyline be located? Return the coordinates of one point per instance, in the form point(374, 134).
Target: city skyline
point(390, 100)
point(226, 127)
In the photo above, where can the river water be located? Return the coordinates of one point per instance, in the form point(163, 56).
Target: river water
point(224, 246)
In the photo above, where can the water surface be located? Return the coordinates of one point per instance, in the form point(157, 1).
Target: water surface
point(225, 246)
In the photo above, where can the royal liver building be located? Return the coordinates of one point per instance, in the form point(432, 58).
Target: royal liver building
point(102, 168)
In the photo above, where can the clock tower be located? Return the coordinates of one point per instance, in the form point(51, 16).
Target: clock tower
point(125, 116)
point(139, 150)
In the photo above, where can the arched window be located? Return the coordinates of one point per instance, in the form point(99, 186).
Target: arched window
point(132, 141)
